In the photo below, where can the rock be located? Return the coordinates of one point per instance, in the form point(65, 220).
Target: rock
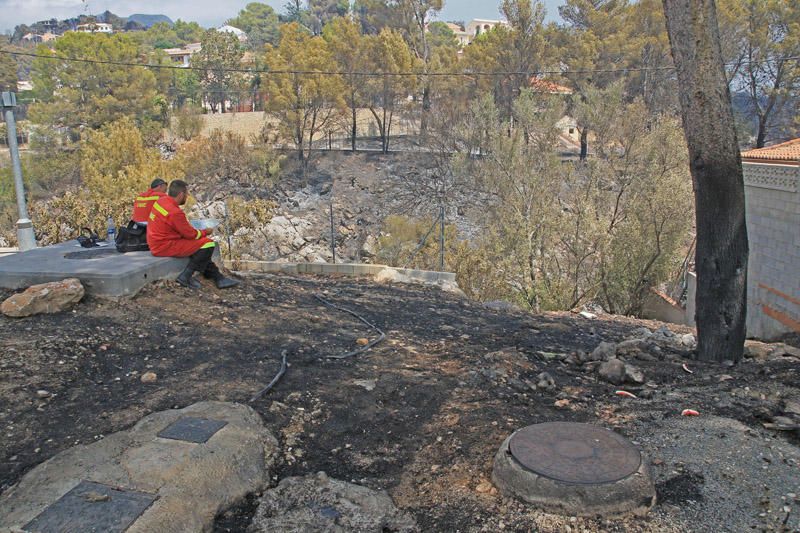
point(191, 483)
point(763, 351)
point(43, 394)
point(370, 247)
point(44, 298)
point(500, 305)
point(483, 487)
point(452, 287)
point(562, 404)
point(603, 352)
point(612, 371)
point(633, 374)
point(792, 407)
point(149, 377)
point(664, 332)
point(688, 340)
point(641, 333)
point(319, 503)
point(587, 314)
point(368, 384)
point(631, 347)
point(362, 341)
point(390, 275)
point(546, 381)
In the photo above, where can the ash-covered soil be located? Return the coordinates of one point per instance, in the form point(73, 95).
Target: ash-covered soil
point(420, 415)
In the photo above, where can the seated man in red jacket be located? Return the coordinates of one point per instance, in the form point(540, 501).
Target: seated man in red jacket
point(144, 202)
point(169, 234)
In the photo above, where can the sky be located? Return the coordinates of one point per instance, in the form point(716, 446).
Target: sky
point(206, 12)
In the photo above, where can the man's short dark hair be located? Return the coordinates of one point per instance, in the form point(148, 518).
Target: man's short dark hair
point(158, 182)
point(177, 187)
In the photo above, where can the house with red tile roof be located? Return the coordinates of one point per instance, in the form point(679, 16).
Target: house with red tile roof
point(772, 210)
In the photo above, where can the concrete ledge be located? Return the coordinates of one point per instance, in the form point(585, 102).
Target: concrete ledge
point(346, 269)
point(112, 275)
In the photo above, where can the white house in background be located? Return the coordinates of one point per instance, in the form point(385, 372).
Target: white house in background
point(477, 26)
point(95, 27)
point(460, 33)
point(242, 36)
point(182, 56)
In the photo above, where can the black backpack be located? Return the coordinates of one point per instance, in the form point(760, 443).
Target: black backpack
point(132, 238)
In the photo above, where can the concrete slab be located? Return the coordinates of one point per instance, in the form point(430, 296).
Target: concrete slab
point(189, 482)
point(104, 273)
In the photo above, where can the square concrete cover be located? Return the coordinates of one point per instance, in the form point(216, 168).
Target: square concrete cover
point(108, 274)
point(92, 507)
point(192, 429)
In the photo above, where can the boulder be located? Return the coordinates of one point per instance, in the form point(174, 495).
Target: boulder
point(319, 503)
point(51, 297)
point(603, 352)
point(390, 275)
point(612, 371)
point(370, 247)
point(762, 350)
point(633, 374)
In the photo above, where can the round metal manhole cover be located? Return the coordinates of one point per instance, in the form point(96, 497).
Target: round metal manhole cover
point(95, 253)
point(575, 453)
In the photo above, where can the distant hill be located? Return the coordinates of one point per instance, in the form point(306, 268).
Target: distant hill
point(149, 20)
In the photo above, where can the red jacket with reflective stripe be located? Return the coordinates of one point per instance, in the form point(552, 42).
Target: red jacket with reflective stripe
point(169, 233)
point(144, 203)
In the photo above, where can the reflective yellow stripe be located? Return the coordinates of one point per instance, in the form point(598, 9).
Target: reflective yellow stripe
point(141, 205)
point(199, 234)
point(146, 198)
point(208, 245)
point(160, 209)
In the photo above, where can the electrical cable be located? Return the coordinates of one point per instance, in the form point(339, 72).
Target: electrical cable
point(275, 380)
point(362, 349)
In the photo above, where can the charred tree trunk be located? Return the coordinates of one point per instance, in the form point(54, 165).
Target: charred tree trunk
point(354, 130)
point(716, 167)
point(584, 143)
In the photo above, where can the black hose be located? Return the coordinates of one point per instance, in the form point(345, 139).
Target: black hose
point(275, 380)
point(362, 349)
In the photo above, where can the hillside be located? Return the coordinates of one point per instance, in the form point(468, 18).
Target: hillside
point(149, 20)
point(422, 413)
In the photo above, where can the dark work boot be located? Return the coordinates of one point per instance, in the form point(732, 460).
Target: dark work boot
point(213, 272)
point(225, 283)
point(185, 279)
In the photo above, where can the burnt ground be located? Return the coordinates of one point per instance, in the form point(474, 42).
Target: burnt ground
point(447, 392)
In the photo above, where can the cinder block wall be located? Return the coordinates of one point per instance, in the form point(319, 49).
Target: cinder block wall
point(772, 198)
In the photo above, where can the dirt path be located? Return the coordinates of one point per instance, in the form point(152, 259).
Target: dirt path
point(420, 415)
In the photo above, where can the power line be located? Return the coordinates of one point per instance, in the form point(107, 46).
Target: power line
point(377, 73)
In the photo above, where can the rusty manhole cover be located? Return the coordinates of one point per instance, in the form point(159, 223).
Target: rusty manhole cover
point(575, 453)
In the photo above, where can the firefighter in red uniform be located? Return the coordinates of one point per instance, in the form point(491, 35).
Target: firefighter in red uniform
point(169, 234)
point(144, 202)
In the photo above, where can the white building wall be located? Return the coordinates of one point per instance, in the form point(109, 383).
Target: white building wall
point(772, 199)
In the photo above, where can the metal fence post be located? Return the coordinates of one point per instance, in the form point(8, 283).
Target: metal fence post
point(441, 239)
point(25, 236)
point(333, 236)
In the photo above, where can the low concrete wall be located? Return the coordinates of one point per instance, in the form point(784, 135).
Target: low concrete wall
point(347, 269)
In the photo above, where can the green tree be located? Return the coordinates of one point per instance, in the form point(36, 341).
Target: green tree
point(303, 103)
point(769, 74)
point(321, 12)
point(160, 35)
point(221, 54)
point(260, 23)
point(8, 73)
point(187, 32)
point(347, 47)
point(75, 96)
point(389, 57)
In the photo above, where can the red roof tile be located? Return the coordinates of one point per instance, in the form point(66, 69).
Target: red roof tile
point(787, 152)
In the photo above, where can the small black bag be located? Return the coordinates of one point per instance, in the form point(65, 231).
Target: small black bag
point(88, 238)
point(132, 238)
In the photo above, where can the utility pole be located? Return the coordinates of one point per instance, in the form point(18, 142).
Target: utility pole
point(441, 238)
point(333, 235)
point(25, 236)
